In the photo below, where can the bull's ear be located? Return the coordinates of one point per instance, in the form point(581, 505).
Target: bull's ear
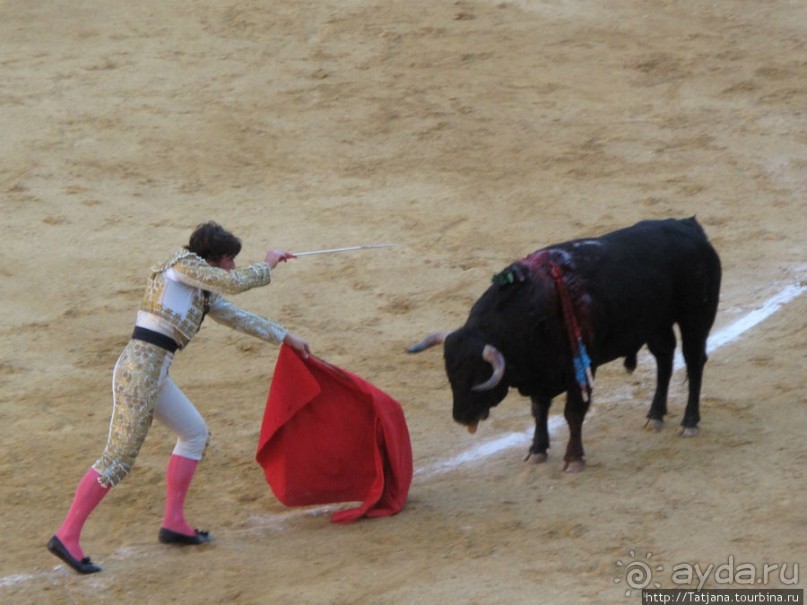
point(432, 340)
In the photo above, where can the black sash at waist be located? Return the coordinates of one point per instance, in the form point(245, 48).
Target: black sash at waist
point(155, 338)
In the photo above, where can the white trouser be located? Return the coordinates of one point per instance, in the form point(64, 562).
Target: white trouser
point(176, 411)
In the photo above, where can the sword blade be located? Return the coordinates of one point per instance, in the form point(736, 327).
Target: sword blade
point(348, 249)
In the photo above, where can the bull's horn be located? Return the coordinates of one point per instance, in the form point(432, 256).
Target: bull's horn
point(430, 341)
point(494, 357)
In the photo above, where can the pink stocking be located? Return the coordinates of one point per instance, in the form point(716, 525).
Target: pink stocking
point(178, 477)
point(89, 494)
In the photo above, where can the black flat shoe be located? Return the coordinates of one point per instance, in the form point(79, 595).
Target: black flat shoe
point(84, 566)
point(171, 537)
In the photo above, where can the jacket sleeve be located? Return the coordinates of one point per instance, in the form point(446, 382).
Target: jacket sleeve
point(195, 272)
point(228, 314)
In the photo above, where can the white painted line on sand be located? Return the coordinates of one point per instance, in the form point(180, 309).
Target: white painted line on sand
point(15, 579)
point(485, 449)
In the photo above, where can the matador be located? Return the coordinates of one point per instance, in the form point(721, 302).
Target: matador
point(181, 291)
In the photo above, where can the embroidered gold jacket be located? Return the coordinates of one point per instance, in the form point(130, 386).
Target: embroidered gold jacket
point(174, 300)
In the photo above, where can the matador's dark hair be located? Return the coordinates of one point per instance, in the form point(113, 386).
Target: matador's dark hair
point(211, 241)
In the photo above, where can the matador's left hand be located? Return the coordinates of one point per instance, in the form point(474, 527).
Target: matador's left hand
point(298, 344)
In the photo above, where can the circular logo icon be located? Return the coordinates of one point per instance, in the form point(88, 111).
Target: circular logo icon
point(637, 574)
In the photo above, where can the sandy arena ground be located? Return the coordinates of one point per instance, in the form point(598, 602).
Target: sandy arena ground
point(470, 133)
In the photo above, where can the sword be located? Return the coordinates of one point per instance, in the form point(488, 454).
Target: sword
point(348, 249)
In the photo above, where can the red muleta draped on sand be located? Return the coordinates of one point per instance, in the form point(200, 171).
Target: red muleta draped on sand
point(330, 436)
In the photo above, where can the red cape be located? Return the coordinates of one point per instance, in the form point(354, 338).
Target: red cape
point(329, 436)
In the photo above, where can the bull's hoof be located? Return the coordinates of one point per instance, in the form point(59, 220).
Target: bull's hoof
point(654, 424)
point(536, 458)
point(688, 431)
point(574, 466)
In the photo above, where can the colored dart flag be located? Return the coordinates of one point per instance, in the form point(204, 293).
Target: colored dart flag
point(329, 436)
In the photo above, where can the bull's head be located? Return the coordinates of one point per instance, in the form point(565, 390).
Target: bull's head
point(475, 370)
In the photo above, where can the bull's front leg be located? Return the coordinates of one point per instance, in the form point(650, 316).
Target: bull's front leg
point(540, 440)
point(575, 414)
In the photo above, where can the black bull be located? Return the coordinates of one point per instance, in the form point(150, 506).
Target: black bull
point(621, 291)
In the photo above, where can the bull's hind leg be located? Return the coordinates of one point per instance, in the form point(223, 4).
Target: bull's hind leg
point(697, 320)
point(540, 440)
point(694, 350)
point(662, 347)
